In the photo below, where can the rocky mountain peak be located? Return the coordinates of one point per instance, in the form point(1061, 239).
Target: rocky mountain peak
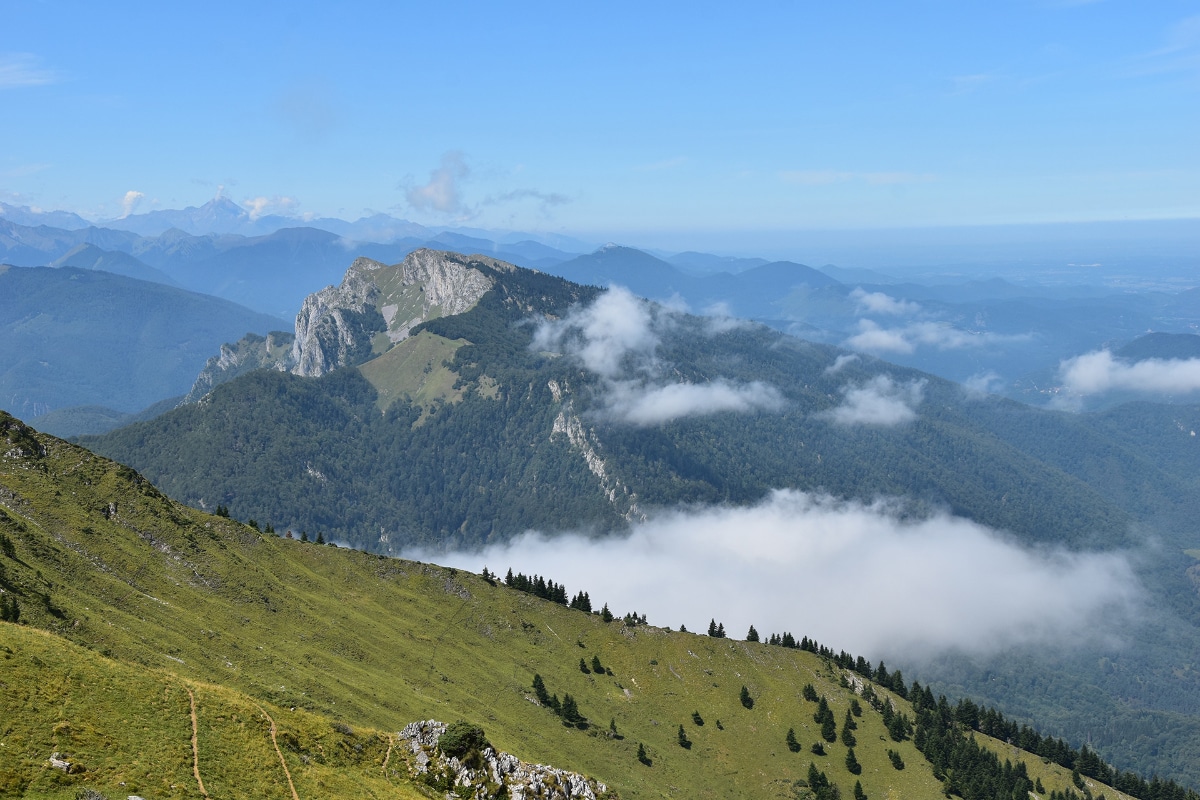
point(341, 325)
point(375, 306)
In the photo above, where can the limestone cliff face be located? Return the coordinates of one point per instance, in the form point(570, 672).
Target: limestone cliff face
point(339, 325)
point(336, 324)
point(252, 352)
point(375, 306)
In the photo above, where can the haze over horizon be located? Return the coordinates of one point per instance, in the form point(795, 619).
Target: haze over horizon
point(659, 126)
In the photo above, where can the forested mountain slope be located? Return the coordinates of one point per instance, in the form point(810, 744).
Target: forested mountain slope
point(505, 434)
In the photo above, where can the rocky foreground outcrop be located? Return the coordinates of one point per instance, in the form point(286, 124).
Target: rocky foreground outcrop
point(497, 774)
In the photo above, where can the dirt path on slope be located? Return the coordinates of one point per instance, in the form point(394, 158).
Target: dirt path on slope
point(287, 773)
point(196, 744)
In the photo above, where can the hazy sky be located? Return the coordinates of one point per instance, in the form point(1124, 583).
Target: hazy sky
point(610, 117)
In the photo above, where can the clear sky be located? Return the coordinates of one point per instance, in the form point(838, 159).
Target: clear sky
point(606, 118)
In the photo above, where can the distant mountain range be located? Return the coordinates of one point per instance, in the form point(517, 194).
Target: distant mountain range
point(1008, 338)
point(82, 337)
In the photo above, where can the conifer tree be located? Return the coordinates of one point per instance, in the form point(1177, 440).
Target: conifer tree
point(751, 635)
point(684, 741)
point(583, 667)
point(304, 536)
point(641, 755)
point(696, 718)
point(597, 667)
point(852, 762)
point(848, 736)
point(720, 630)
point(792, 744)
point(712, 628)
point(605, 614)
point(320, 538)
point(859, 794)
point(746, 699)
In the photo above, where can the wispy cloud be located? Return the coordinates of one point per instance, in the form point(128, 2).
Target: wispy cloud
point(442, 193)
point(982, 384)
point(791, 553)
point(544, 200)
point(616, 337)
point(880, 303)
point(659, 166)
point(966, 84)
point(873, 338)
point(1100, 371)
point(1180, 51)
point(261, 206)
point(24, 69)
point(24, 170)
point(881, 402)
point(830, 177)
point(841, 362)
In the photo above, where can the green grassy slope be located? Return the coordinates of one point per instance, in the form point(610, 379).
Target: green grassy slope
point(99, 557)
point(128, 730)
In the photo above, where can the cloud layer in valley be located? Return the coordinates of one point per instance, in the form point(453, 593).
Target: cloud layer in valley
point(874, 338)
point(1100, 371)
point(617, 338)
point(864, 577)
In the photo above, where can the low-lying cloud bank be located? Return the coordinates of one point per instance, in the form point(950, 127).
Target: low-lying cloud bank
point(873, 338)
point(1100, 371)
point(855, 576)
point(617, 338)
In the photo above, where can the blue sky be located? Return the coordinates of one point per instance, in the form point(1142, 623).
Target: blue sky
point(609, 119)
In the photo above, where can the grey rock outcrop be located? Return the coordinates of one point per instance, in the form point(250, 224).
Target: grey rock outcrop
point(335, 325)
point(338, 325)
point(498, 774)
point(251, 352)
point(374, 307)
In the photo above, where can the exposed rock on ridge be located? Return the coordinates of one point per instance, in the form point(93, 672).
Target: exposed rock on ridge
point(374, 307)
point(250, 353)
point(499, 775)
point(333, 323)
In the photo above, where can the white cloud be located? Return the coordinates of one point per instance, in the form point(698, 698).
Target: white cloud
point(841, 362)
point(617, 336)
point(1101, 371)
point(130, 202)
point(261, 206)
point(22, 69)
point(880, 303)
point(644, 405)
point(983, 383)
point(873, 338)
point(851, 575)
point(880, 401)
point(827, 177)
point(442, 192)
point(615, 329)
